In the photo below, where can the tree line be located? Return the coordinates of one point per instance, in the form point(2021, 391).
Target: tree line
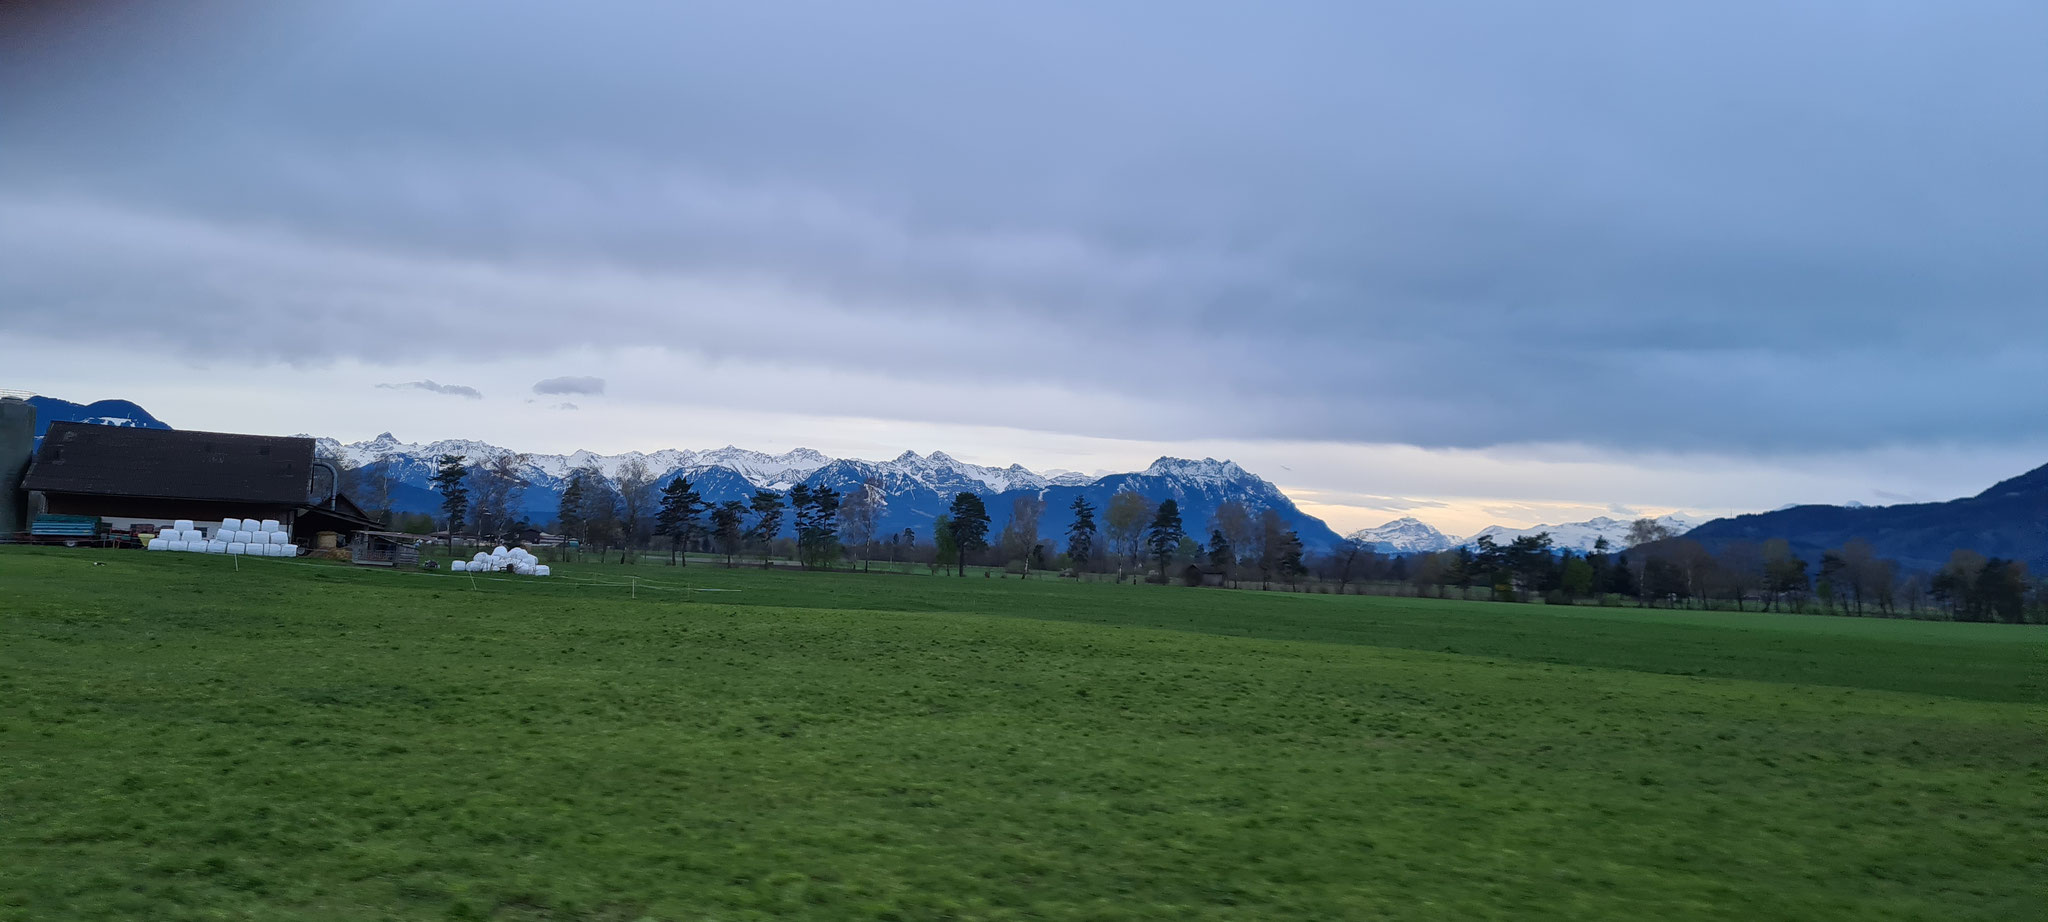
point(1134, 537)
point(1662, 569)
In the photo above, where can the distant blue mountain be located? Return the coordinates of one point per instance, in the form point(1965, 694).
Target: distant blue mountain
point(2009, 520)
point(104, 412)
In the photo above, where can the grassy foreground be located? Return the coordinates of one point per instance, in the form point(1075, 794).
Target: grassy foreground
point(180, 740)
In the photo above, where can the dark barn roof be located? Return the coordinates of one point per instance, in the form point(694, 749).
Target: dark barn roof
point(172, 464)
point(339, 510)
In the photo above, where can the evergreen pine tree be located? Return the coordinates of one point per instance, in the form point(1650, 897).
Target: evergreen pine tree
point(767, 507)
point(1165, 534)
point(677, 517)
point(968, 523)
point(1291, 566)
point(817, 525)
point(1220, 556)
point(570, 510)
point(1081, 534)
point(449, 478)
point(725, 527)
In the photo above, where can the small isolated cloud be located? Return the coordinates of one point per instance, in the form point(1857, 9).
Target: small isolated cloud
point(570, 384)
point(565, 406)
point(453, 390)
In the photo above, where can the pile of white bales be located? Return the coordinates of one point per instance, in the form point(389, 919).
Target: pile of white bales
point(247, 537)
point(517, 560)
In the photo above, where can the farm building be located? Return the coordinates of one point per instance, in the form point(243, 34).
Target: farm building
point(153, 477)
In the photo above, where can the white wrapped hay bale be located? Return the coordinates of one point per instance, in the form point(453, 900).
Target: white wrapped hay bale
point(459, 566)
point(182, 525)
point(498, 551)
point(277, 537)
point(290, 550)
point(541, 570)
point(237, 547)
point(230, 524)
point(216, 547)
point(269, 525)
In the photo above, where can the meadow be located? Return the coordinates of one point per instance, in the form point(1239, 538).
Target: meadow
point(182, 739)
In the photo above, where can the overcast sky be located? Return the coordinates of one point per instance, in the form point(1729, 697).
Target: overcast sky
point(1477, 262)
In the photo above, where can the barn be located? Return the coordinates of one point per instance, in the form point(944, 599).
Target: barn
point(154, 477)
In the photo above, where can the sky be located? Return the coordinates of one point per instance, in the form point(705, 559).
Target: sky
point(1476, 262)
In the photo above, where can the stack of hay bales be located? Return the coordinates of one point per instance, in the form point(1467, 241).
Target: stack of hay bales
point(500, 560)
point(247, 537)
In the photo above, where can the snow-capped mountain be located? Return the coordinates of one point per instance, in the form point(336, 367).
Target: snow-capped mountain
point(1405, 535)
point(917, 487)
point(1581, 536)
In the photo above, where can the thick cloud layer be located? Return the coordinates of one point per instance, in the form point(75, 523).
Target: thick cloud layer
point(1751, 228)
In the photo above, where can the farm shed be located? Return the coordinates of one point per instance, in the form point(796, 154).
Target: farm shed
point(386, 549)
point(132, 477)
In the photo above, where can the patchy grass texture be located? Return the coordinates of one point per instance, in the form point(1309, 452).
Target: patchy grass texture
point(180, 739)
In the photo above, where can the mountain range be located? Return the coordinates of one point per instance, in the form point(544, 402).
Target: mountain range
point(2009, 520)
point(917, 487)
point(1408, 535)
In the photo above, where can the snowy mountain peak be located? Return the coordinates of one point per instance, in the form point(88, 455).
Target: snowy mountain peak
point(1207, 470)
point(1582, 536)
point(1405, 535)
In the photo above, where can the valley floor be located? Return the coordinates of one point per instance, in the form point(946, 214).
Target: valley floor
point(182, 739)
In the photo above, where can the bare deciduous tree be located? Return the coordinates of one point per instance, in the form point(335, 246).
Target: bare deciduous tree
point(497, 484)
point(636, 499)
point(1020, 534)
point(859, 514)
point(1124, 523)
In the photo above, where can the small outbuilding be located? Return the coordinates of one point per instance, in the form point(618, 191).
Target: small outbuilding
point(386, 549)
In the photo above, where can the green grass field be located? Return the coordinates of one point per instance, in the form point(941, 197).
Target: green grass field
point(182, 740)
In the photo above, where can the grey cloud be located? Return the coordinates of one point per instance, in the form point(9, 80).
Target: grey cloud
point(565, 406)
point(569, 384)
point(1370, 501)
point(1609, 224)
point(453, 390)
